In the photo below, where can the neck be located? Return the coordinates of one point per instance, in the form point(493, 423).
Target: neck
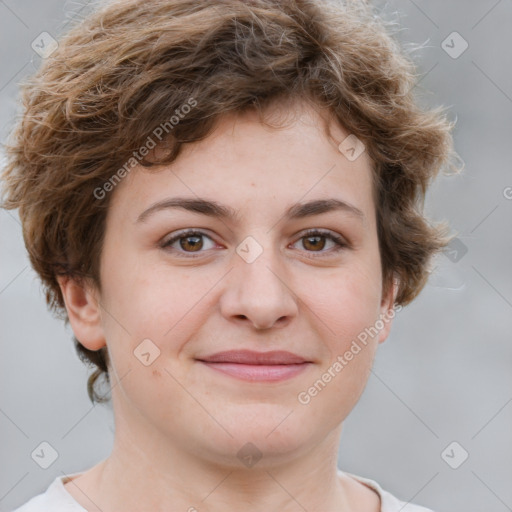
point(179, 481)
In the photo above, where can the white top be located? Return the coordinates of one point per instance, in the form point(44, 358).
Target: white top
point(57, 499)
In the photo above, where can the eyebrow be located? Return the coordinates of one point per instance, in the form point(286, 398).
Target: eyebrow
point(214, 209)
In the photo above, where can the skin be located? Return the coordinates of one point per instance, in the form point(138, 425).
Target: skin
point(179, 424)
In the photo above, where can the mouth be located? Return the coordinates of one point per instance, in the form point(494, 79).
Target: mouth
point(257, 366)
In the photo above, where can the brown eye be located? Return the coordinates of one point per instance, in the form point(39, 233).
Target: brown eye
point(191, 243)
point(314, 243)
point(188, 242)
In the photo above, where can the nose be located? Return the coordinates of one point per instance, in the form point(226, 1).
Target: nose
point(258, 293)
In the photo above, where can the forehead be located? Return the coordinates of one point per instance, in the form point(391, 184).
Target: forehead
point(245, 163)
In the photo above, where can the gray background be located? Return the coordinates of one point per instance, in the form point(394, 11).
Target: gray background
point(444, 373)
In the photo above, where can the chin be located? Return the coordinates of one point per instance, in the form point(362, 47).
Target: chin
point(264, 432)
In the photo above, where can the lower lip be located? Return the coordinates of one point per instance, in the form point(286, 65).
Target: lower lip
point(259, 373)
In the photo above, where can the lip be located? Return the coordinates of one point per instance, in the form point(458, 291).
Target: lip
point(274, 357)
point(254, 366)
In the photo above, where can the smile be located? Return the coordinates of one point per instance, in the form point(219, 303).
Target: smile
point(258, 372)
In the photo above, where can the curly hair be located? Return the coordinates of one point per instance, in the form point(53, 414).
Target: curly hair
point(127, 67)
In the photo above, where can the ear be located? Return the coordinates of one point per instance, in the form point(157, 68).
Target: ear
point(82, 306)
point(388, 311)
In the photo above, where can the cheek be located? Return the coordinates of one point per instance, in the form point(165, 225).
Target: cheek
point(154, 302)
point(344, 308)
point(144, 304)
point(346, 301)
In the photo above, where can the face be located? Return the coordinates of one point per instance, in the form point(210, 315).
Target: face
point(258, 272)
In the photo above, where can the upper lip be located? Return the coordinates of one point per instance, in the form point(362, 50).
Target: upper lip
point(251, 357)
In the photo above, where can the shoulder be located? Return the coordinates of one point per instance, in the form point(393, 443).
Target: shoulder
point(55, 498)
point(36, 504)
point(389, 503)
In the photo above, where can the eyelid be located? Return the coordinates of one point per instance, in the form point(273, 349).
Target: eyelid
point(340, 241)
point(168, 241)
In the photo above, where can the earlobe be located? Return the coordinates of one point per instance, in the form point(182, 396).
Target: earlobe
point(83, 311)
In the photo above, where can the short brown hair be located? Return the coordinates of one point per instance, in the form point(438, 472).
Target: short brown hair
point(127, 67)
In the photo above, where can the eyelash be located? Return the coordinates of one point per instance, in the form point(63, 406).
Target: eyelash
point(339, 241)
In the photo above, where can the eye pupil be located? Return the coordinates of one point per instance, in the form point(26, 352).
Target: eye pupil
point(315, 244)
point(313, 241)
point(195, 245)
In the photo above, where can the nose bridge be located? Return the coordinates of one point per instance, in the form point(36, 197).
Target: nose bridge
point(258, 291)
point(258, 267)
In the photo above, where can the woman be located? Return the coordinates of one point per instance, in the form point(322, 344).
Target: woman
point(224, 200)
